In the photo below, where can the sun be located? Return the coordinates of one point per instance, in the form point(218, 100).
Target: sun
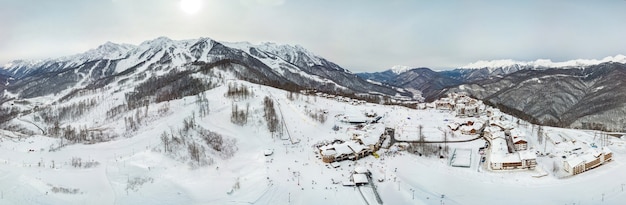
point(190, 6)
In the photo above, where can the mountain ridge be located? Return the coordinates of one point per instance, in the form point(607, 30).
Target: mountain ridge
point(271, 63)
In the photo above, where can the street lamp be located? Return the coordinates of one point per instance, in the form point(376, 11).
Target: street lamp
point(413, 190)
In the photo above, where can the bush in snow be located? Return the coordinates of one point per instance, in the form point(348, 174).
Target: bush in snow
point(135, 183)
point(239, 117)
point(63, 190)
point(77, 162)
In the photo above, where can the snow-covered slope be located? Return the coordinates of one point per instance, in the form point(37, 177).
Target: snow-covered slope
point(151, 160)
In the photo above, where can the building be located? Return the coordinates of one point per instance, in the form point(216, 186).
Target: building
point(502, 158)
point(528, 158)
point(518, 139)
point(468, 130)
point(444, 104)
point(463, 110)
point(359, 179)
point(360, 145)
point(520, 143)
point(592, 159)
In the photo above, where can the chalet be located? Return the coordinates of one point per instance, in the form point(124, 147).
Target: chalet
point(520, 143)
point(454, 126)
point(504, 125)
point(468, 130)
point(444, 104)
point(493, 132)
point(463, 110)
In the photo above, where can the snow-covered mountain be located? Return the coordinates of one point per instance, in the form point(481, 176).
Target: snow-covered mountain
point(543, 63)
point(291, 67)
point(399, 69)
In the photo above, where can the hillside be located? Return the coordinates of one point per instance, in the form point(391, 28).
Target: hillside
point(589, 98)
point(586, 94)
point(169, 152)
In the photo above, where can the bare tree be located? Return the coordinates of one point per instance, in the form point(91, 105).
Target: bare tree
point(421, 138)
point(166, 141)
point(540, 134)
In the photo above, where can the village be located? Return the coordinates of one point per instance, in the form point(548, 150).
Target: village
point(509, 145)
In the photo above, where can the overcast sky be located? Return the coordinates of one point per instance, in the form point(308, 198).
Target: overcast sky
point(359, 35)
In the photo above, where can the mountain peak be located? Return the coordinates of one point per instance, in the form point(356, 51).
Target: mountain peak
point(398, 69)
point(108, 50)
point(160, 41)
point(543, 63)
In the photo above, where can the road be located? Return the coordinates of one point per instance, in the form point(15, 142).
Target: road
point(43, 132)
point(430, 142)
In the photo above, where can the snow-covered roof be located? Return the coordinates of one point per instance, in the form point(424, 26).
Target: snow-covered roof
point(505, 158)
point(329, 152)
point(360, 170)
point(355, 118)
point(453, 125)
point(574, 161)
point(498, 146)
point(359, 178)
point(588, 157)
point(498, 135)
point(606, 150)
point(503, 124)
point(369, 140)
point(466, 128)
point(477, 125)
point(527, 154)
point(356, 147)
point(356, 134)
point(517, 140)
point(492, 129)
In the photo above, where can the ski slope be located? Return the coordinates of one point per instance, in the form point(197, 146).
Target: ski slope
point(133, 169)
